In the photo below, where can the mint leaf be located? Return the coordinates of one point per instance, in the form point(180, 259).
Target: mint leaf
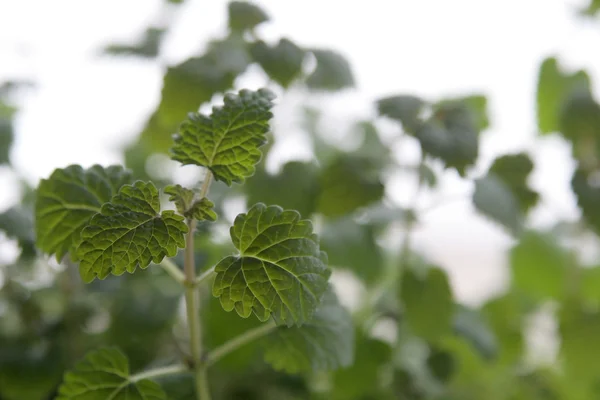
point(280, 271)
point(428, 304)
point(201, 209)
point(494, 199)
point(402, 108)
point(104, 374)
point(68, 199)
point(283, 62)
point(554, 86)
point(228, 141)
point(514, 170)
point(325, 342)
point(129, 232)
point(245, 15)
point(332, 73)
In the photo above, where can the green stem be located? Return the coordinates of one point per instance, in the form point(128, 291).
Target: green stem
point(239, 341)
point(157, 372)
point(172, 269)
point(205, 275)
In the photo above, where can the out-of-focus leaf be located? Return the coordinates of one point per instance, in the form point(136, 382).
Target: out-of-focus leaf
point(513, 170)
point(200, 209)
point(592, 9)
point(280, 271)
point(294, 188)
point(6, 139)
point(352, 245)
point(580, 123)
point(428, 304)
point(371, 147)
point(17, 223)
point(148, 47)
point(539, 267)
point(325, 342)
point(471, 325)
point(478, 106)
point(104, 374)
point(129, 232)
point(228, 141)
point(348, 183)
point(245, 15)
point(332, 73)
point(494, 199)
point(441, 364)
point(554, 86)
point(282, 62)
point(587, 191)
point(590, 286)
point(506, 316)
point(67, 201)
point(402, 108)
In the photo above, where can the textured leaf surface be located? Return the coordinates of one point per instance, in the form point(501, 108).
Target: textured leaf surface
point(280, 271)
point(201, 209)
point(333, 72)
point(244, 15)
point(514, 170)
point(402, 108)
point(493, 198)
point(68, 199)
point(283, 62)
point(228, 141)
point(129, 232)
point(104, 375)
point(326, 342)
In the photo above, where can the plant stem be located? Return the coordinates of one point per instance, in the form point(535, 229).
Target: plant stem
point(192, 302)
point(156, 372)
point(205, 275)
point(239, 341)
point(172, 269)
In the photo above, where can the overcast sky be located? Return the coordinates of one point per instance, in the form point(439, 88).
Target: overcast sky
point(87, 106)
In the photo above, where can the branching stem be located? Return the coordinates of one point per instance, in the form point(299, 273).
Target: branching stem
point(239, 341)
point(172, 269)
point(158, 372)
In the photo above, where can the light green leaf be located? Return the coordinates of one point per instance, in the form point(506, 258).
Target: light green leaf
point(104, 375)
point(539, 267)
point(129, 232)
point(554, 86)
point(67, 201)
point(428, 304)
point(280, 271)
point(579, 348)
point(493, 198)
point(513, 170)
point(245, 15)
point(283, 62)
point(402, 108)
point(332, 73)
point(325, 342)
point(201, 209)
point(592, 8)
point(228, 141)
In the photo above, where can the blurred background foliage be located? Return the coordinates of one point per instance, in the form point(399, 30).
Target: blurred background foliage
point(414, 340)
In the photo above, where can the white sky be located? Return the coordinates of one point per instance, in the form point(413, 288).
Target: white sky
point(87, 106)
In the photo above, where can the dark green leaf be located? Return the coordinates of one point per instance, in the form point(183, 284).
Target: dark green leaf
point(477, 104)
point(280, 271)
point(6, 139)
point(245, 15)
point(148, 47)
point(200, 209)
point(129, 232)
point(428, 304)
point(349, 182)
point(494, 199)
point(283, 62)
point(294, 188)
point(587, 191)
point(228, 141)
point(371, 147)
point(17, 223)
point(104, 374)
point(325, 342)
point(67, 201)
point(514, 170)
point(539, 267)
point(441, 364)
point(402, 108)
point(332, 73)
point(553, 88)
point(580, 123)
point(472, 326)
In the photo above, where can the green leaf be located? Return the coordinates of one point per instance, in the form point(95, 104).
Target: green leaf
point(428, 304)
point(283, 62)
point(402, 108)
point(469, 324)
point(129, 232)
point(228, 141)
point(325, 342)
point(296, 187)
point(579, 348)
point(514, 170)
point(347, 183)
point(245, 16)
point(104, 374)
point(580, 123)
point(506, 316)
point(371, 147)
point(477, 104)
point(17, 223)
point(6, 138)
point(494, 199)
point(332, 73)
point(148, 47)
point(539, 267)
point(587, 191)
point(592, 9)
point(67, 201)
point(280, 271)
point(554, 86)
point(201, 209)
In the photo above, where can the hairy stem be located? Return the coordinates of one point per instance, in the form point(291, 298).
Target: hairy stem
point(158, 372)
point(239, 341)
point(192, 302)
point(172, 269)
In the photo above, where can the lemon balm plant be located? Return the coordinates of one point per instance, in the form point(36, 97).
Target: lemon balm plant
point(109, 225)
